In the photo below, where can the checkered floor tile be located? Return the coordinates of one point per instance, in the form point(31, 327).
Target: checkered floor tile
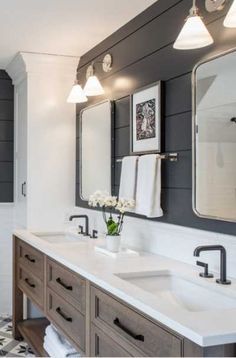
point(10, 347)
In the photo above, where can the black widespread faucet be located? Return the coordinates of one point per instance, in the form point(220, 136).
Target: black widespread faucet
point(223, 276)
point(85, 217)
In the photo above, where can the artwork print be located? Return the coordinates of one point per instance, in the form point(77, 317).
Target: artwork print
point(146, 119)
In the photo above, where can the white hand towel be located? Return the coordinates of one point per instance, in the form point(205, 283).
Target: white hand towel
point(148, 195)
point(55, 351)
point(56, 340)
point(128, 179)
point(50, 351)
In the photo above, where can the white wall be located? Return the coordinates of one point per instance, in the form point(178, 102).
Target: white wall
point(51, 150)
point(6, 227)
point(45, 138)
point(49, 141)
point(174, 241)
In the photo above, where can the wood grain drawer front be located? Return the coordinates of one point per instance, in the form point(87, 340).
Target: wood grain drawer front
point(144, 334)
point(67, 284)
point(101, 345)
point(31, 285)
point(30, 258)
point(67, 318)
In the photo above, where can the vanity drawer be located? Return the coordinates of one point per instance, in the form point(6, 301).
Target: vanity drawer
point(31, 285)
point(30, 258)
point(101, 345)
point(67, 318)
point(67, 284)
point(133, 327)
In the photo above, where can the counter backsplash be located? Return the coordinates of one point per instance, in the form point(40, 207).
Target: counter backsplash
point(173, 241)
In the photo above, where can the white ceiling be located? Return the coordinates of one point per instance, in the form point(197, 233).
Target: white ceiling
point(66, 27)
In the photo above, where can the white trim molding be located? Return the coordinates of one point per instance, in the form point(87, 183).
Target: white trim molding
point(38, 63)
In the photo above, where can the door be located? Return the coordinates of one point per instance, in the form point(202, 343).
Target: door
point(21, 154)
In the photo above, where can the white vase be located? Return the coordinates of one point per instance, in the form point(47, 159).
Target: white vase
point(113, 243)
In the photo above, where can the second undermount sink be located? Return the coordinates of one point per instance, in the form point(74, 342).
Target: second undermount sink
point(60, 237)
point(179, 292)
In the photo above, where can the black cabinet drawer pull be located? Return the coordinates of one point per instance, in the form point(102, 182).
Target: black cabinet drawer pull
point(29, 258)
point(59, 311)
point(69, 288)
point(29, 284)
point(137, 337)
point(23, 186)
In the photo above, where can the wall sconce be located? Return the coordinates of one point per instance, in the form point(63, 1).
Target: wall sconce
point(214, 5)
point(230, 19)
point(194, 33)
point(93, 86)
point(77, 94)
point(217, 5)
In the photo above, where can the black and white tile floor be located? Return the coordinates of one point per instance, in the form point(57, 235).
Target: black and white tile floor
point(10, 347)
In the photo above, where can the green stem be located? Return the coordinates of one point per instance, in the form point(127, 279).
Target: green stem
point(121, 221)
point(104, 215)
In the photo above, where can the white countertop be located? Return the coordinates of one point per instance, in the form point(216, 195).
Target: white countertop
point(206, 328)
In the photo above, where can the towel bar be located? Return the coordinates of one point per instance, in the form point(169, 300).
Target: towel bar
point(172, 157)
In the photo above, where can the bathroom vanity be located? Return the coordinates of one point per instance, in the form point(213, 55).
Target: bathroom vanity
point(105, 311)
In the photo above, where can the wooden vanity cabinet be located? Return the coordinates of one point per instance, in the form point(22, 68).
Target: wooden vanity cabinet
point(30, 258)
point(97, 323)
point(65, 302)
point(67, 284)
point(55, 290)
point(30, 272)
point(131, 329)
point(32, 286)
point(28, 279)
point(138, 334)
point(70, 321)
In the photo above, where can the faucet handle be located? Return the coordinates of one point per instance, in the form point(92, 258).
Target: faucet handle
point(94, 234)
point(205, 274)
point(81, 229)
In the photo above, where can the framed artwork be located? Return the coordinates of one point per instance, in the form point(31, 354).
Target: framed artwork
point(146, 120)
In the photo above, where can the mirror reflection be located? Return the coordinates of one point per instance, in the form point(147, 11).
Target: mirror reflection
point(215, 138)
point(96, 149)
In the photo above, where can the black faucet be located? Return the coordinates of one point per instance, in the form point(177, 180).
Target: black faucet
point(85, 217)
point(223, 279)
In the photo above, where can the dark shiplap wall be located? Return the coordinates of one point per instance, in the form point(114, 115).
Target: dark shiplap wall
point(143, 53)
point(6, 137)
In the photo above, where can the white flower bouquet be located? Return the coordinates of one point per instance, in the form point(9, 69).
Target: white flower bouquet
point(109, 204)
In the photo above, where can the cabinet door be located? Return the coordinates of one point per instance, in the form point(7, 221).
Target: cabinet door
point(30, 259)
point(32, 286)
point(70, 321)
point(21, 152)
point(65, 283)
point(101, 345)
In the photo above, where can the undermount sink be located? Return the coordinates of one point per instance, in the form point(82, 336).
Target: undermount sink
point(178, 291)
point(60, 238)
